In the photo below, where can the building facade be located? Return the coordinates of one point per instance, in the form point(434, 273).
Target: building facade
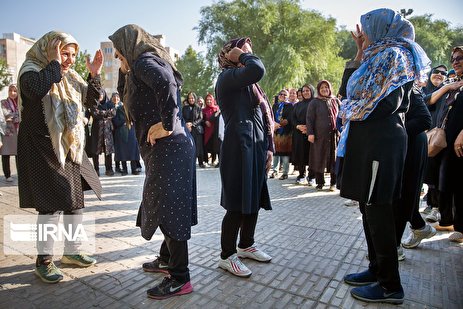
point(13, 49)
point(111, 64)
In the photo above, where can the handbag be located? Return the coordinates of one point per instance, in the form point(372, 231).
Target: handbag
point(437, 138)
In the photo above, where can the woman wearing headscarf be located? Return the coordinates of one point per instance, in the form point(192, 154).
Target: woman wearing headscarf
point(152, 100)
point(434, 101)
point(10, 111)
point(374, 142)
point(322, 134)
point(300, 144)
point(53, 169)
point(193, 115)
point(211, 115)
point(246, 153)
point(102, 140)
point(450, 159)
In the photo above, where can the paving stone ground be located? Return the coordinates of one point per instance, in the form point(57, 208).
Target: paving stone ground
point(314, 240)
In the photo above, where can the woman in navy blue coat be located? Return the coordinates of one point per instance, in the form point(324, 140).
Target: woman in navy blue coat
point(246, 153)
point(152, 100)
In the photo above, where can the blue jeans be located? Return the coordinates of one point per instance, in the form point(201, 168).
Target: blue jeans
point(284, 162)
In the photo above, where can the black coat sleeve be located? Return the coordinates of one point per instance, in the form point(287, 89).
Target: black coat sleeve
point(417, 118)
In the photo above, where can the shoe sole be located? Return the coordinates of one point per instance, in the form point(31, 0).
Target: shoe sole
point(45, 280)
point(70, 262)
point(394, 301)
point(355, 283)
point(235, 274)
point(186, 291)
point(247, 257)
point(158, 270)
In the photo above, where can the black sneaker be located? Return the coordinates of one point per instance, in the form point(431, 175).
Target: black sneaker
point(156, 266)
point(169, 287)
point(109, 173)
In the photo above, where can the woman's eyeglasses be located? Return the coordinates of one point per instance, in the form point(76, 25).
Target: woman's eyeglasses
point(443, 73)
point(283, 94)
point(457, 59)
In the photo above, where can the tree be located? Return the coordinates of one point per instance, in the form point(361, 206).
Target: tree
point(197, 75)
point(297, 46)
point(436, 38)
point(81, 68)
point(5, 75)
point(347, 45)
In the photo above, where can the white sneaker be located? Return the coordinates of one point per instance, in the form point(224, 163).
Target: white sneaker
point(351, 203)
point(434, 216)
point(9, 179)
point(416, 236)
point(234, 265)
point(311, 182)
point(254, 253)
point(332, 188)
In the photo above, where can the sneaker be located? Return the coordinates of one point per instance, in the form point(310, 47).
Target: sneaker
point(283, 177)
point(234, 265)
point(254, 254)
point(363, 278)
point(400, 253)
point(427, 210)
point(169, 287)
point(332, 188)
point(416, 236)
point(351, 203)
point(374, 293)
point(273, 175)
point(319, 187)
point(300, 180)
point(310, 182)
point(456, 237)
point(137, 171)
point(81, 260)
point(433, 216)
point(48, 272)
point(156, 266)
point(9, 179)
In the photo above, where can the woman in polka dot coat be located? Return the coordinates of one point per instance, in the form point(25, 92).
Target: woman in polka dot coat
point(152, 101)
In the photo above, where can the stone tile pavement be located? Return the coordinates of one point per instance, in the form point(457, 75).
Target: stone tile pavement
point(313, 238)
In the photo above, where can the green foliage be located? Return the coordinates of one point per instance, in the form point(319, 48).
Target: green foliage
point(435, 37)
point(297, 46)
point(80, 66)
point(5, 75)
point(347, 47)
point(197, 75)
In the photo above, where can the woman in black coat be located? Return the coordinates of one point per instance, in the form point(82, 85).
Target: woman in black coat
point(193, 115)
point(417, 121)
point(300, 145)
point(374, 142)
point(246, 153)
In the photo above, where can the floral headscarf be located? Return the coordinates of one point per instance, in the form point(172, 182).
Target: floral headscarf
point(62, 105)
point(391, 61)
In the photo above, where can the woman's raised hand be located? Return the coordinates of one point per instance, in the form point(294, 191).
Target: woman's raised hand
point(95, 66)
point(54, 50)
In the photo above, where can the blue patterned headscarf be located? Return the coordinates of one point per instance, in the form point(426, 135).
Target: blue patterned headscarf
point(391, 61)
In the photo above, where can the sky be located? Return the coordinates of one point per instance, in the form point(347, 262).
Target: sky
point(91, 22)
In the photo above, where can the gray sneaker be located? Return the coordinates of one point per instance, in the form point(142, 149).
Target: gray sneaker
point(416, 236)
point(48, 272)
point(434, 216)
point(81, 260)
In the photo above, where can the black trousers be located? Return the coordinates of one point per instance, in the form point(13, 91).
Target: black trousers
point(379, 228)
point(175, 253)
point(108, 162)
point(6, 165)
point(320, 178)
point(232, 223)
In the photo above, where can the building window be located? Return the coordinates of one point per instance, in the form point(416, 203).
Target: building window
point(108, 50)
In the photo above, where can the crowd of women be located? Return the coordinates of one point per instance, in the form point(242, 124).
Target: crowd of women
point(370, 138)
